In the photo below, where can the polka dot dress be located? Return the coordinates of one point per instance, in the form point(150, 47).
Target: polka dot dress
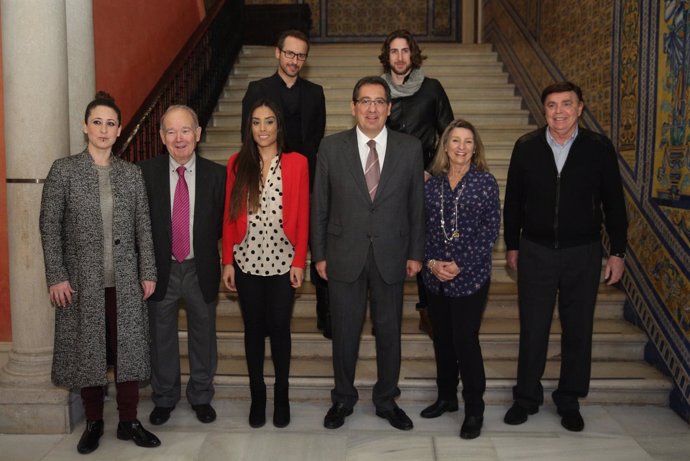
point(265, 249)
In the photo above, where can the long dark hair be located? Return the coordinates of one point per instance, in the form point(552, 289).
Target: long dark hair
point(247, 167)
point(416, 56)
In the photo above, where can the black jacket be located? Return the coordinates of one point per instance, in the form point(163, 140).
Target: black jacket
point(564, 210)
point(424, 115)
point(313, 111)
point(208, 221)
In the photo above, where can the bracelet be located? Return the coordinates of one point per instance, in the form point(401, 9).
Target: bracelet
point(431, 264)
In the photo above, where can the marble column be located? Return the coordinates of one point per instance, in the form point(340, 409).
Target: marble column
point(81, 67)
point(35, 77)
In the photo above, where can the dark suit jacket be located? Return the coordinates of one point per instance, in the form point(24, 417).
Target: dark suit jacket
point(207, 227)
point(313, 111)
point(344, 220)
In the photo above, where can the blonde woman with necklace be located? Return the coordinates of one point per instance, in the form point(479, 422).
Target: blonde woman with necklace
point(462, 221)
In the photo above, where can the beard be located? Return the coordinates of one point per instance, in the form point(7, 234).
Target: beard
point(406, 70)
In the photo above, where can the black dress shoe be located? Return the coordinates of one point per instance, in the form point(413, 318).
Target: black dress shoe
point(517, 414)
point(89, 439)
point(471, 427)
point(160, 415)
point(336, 416)
point(133, 430)
point(572, 420)
point(205, 412)
point(439, 407)
point(397, 418)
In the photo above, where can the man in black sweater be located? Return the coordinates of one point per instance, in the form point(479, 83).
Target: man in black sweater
point(563, 182)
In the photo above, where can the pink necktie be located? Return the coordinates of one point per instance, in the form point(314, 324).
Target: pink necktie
point(372, 170)
point(180, 218)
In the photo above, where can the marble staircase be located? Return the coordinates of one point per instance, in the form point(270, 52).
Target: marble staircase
point(480, 92)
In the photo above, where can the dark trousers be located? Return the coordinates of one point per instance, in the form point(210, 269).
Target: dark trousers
point(572, 274)
point(266, 304)
point(127, 392)
point(183, 284)
point(348, 309)
point(456, 323)
point(323, 314)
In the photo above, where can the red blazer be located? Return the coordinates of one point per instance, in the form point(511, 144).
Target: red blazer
point(295, 174)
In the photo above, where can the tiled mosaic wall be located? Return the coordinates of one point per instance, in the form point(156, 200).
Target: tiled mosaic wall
point(630, 57)
point(350, 20)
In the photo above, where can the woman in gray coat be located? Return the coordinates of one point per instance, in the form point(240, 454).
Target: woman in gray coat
point(100, 268)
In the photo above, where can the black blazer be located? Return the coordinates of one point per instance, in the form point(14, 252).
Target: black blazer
point(208, 221)
point(313, 111)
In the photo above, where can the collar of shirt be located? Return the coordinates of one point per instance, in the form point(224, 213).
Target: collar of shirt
point(381, 143)
point(285, 85)
point(560, 151)
point(551, 140)
point(189, 166)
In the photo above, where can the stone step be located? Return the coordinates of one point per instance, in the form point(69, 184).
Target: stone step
point(612, 382)
point(501, 303)
point(505, 133)
point(480, 81)
point(266, 58)
point(341, 103)
point(326, 71)
point(345, 119)
point(612, 340)
point(487, 93)
point(337, 51)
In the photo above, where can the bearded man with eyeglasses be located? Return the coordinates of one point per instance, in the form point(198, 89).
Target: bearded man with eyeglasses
point(304, 112)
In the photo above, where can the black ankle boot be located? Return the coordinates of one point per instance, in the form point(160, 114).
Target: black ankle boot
point(257, 410)
point(89, 439)
point(281, 407)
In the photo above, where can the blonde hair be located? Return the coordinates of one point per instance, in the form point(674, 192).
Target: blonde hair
point(440, 163)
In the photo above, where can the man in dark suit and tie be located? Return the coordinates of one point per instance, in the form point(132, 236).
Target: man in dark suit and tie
point(304, 111)
point(367, 236)
point(186, 197)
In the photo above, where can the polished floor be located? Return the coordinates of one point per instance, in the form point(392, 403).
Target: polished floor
point(626, 433)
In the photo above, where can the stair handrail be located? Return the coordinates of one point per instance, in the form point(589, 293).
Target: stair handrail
point(196, 78)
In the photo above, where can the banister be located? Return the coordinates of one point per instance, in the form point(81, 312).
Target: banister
point(195, 78)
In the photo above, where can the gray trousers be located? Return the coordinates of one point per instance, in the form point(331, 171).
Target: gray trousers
point(572, 274)
point(201, 334)
point(348, 308)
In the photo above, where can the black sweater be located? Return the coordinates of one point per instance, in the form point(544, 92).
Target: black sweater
point(564, 210)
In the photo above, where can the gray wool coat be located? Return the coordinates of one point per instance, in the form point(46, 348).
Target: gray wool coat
point(72, 234)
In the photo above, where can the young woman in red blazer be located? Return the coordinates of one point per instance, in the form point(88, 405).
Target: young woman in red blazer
point(265, 236)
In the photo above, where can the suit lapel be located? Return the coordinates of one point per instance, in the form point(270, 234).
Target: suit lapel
point(163, 192)
point(354, 164)
point(201, 190)
point(390, 164)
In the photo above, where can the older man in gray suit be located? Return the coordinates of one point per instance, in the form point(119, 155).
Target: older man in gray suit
point(367, 236)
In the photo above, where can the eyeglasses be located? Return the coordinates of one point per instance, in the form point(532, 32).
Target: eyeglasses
point(366, 102)
point(291, 55)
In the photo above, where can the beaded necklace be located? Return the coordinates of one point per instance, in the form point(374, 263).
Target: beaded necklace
point(455, 231)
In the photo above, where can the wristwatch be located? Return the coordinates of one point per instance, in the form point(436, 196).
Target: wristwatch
point(618, 255)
